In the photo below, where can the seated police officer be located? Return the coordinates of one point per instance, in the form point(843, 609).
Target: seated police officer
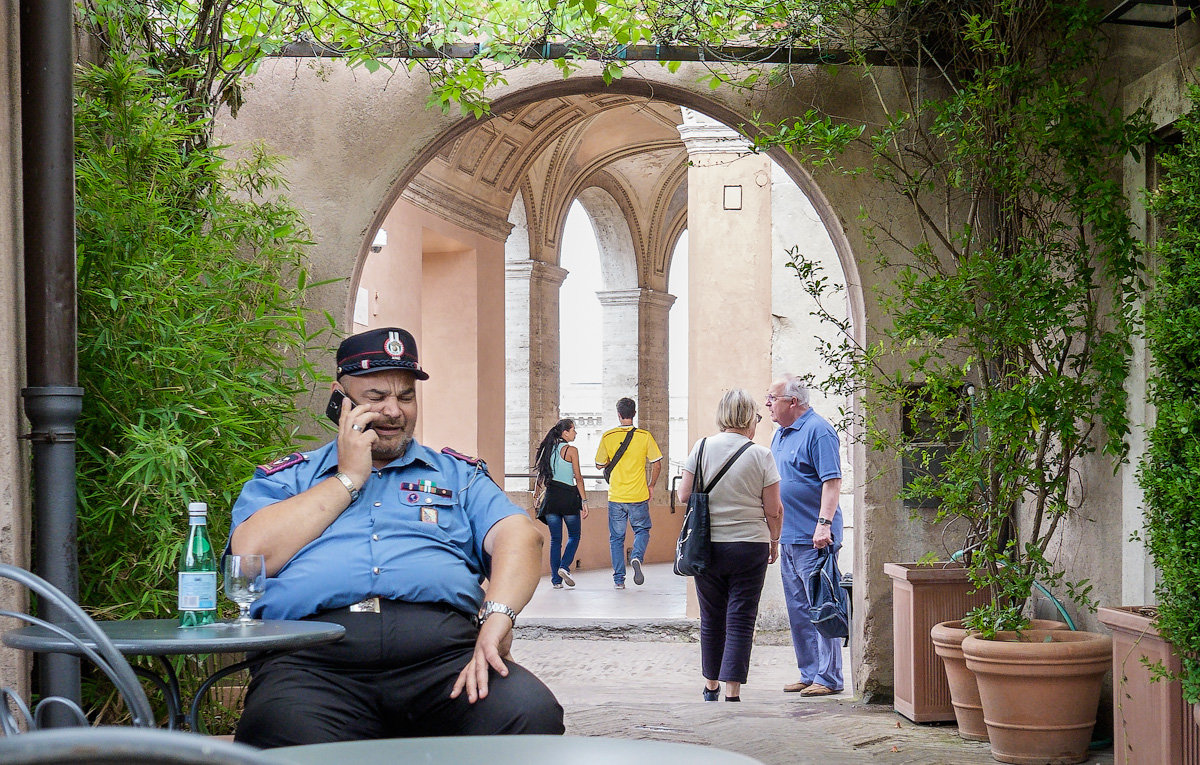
point(391, 539)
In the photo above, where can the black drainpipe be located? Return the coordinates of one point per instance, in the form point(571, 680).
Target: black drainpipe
point(52, 401)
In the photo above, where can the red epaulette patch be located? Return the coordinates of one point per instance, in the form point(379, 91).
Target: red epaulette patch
point(286, 461)
point(460, 456)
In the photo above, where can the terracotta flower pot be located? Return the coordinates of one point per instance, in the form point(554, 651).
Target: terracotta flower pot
point(964, 692)
point(1040, 691)
point(922, 596)
point(1152, 722)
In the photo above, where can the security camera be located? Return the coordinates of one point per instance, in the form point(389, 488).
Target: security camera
point(380, 241)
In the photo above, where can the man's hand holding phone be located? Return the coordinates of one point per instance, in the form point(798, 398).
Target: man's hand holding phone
point(355, 436)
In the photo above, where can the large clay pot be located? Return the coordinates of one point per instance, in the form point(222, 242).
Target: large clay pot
point(1152, 722)
point(964, 692)
point(1040, 691)
point(922, 596)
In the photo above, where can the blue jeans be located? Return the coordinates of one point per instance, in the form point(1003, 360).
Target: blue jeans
point(819, 658)
point(560, 558)
point(637, 514)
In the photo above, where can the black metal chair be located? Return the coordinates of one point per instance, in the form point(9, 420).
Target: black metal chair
point(104, 655)
point(125, 746)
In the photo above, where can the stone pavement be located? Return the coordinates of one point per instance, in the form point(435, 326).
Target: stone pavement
point(625, 664)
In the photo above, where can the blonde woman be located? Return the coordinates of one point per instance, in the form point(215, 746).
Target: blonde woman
point(745, 514)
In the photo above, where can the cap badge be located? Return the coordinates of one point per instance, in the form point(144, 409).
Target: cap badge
point(394, 347)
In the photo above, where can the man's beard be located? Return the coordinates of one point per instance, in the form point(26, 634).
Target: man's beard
point(381, 451)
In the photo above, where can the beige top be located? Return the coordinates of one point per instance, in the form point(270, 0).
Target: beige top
point(735, 506)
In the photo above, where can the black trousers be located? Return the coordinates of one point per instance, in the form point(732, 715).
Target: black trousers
point(389, 677)
point(729, 591)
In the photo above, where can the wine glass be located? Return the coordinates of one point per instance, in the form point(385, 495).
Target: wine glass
point(245, 582)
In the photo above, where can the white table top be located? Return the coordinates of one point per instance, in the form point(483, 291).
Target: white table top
point(507, 750)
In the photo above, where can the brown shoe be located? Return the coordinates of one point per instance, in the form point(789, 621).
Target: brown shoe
point(795, 687)
point(816, 689)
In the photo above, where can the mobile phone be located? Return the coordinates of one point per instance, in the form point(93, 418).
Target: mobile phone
point(334, 409)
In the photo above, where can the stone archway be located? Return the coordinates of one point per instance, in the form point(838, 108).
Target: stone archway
point(363, 170)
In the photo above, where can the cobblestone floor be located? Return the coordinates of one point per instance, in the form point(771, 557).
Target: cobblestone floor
point(639, 677)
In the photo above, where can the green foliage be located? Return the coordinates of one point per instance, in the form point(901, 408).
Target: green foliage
point(1013, 304)
point(1170, 470)
point(191, 331)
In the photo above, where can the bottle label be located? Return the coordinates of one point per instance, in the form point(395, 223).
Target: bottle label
point(198, 591)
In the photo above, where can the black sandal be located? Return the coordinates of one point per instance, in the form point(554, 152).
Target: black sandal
point(713, 694)
point(733, 698)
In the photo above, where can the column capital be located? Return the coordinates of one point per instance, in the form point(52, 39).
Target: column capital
point(636, 297)
point(703, 135)
point(535, 270)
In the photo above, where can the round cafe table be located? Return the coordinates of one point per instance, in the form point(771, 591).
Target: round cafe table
point(265, 638)
point(506, 750)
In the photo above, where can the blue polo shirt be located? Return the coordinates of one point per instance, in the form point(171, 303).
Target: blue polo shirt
point(807, 453)
point(401, 540)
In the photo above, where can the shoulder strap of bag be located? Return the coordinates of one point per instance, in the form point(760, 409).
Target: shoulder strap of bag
point(620, 451)
point(697, 477)
point(728, 464)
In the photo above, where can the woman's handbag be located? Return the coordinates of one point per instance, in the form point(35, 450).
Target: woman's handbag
point(539, 502)
point(694, 548)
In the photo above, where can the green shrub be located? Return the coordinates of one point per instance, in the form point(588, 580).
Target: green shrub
point(191, 332)
point(1170, 470)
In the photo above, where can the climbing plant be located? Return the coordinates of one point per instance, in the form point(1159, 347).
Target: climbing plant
point(1170, 469)
point(1011, 294)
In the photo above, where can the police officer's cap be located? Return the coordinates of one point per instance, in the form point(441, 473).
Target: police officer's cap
point(378, 349)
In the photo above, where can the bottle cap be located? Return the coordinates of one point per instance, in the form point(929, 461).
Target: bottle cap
point(197, 508)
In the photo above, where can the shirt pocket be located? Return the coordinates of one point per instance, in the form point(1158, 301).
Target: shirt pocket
point(425, 508)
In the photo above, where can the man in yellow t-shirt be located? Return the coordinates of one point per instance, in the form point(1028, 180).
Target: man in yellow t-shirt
point(628, 492)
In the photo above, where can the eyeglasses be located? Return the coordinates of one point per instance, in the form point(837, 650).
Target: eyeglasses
point(757, 418)
point(772, 398)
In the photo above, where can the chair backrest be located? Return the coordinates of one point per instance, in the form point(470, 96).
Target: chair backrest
point(124, 746)
point(98, 648)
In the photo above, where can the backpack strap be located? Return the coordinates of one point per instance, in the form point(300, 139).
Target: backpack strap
point(620, 453)
point(728, 464)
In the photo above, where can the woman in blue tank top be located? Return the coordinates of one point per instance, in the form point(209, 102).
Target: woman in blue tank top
point(564, 500)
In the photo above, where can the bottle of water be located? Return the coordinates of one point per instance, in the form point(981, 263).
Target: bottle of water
point(197, 572)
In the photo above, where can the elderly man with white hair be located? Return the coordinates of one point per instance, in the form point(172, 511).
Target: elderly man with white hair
point(808, 455)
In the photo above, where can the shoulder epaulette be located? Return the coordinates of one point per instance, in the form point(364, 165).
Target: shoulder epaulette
point(460, 456)
point(284, 462)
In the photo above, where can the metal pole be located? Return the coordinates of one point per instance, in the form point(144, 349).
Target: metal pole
point(52, 400)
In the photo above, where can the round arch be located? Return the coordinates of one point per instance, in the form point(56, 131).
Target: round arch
point(644, 87)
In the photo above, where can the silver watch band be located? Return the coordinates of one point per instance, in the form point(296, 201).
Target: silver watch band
point(350, 487)
point(490, 607)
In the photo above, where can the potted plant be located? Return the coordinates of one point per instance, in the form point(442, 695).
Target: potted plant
point(1011, 308)
point(1152, 722)
point(947, 639)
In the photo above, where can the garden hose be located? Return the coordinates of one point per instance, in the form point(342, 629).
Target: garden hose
point(958, 557)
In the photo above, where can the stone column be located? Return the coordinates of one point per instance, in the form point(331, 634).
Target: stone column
point(619, 333)
point(729, 269)
point(729, 290)
point(654, 374)
point(635, 358)
point(532, 362)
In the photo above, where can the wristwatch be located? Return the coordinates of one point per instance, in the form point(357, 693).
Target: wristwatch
point(824, 522)
point(350, 487)
point(490, 607)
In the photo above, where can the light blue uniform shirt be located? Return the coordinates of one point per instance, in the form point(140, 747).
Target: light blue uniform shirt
point(380, 545)
point(808, 454)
